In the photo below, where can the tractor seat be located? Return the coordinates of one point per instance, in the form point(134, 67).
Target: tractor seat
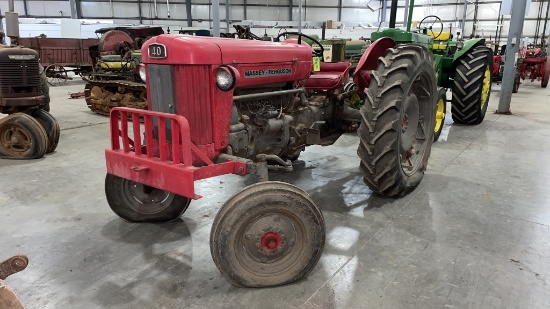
point(332, 75)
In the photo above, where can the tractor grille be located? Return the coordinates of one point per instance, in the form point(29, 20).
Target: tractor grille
point(183, 90)
point(19, 78)
point(193, 86)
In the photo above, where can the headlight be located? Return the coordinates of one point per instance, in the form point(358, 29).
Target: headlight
point(225, 78)
point(142, 74)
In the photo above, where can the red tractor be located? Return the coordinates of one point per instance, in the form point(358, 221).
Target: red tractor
point(534, 64)
point(224, 106)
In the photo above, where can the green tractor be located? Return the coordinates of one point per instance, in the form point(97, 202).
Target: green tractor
point(463, 67)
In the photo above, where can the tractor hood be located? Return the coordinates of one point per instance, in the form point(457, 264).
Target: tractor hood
point(185, 49)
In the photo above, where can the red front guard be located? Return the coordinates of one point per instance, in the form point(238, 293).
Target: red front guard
point(159, 164)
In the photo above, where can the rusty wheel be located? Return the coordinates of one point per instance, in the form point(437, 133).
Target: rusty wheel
point(56, 74)
point(22, 137)
point(136, 202)
point(268, 234)
point(51, 126)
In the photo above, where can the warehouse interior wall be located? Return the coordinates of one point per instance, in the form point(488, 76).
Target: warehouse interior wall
point(365, 11)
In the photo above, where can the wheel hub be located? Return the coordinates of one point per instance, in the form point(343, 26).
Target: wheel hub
point(145, 199)
point(271, 241)
point(409, 123)
point(269, 238)
point(15, 140)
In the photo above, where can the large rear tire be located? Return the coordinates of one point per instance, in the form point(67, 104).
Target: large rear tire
point(472, 86)
point(440, 113)
point(546, 77)
point(268, 234)
point(22, 137)
point(136, 202)
point(398, 120)
point(51, 126)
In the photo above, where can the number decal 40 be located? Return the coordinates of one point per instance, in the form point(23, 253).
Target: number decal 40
point(157, 51)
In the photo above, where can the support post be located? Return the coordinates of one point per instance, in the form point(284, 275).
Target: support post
point(244, 8)
point(299, 18)
point(74, 13)
point(393, 13)
point(25, 10)
point(188, 13)
point(464, 17)
point(290, 10)
point(383, 12)
point(228, 15)
point(514, 38)
point(339, 10)
point(216, 17)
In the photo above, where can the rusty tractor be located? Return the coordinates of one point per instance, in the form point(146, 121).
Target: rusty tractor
point(29, 131)
point(114, 81)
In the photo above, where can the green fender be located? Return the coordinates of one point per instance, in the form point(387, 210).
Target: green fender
point(468, 45)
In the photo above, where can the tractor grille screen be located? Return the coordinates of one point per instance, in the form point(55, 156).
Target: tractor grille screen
point(161, 86)
point(193, 85)
point(183, 90)
point(19, 77)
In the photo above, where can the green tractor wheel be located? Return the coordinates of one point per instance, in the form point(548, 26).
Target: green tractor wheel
point(440, 113)
point(472, 86)
point(397, 122)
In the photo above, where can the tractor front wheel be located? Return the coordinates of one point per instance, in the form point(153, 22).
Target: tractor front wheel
point(136, 202)
point(398, 120)
point(270, 233)
point(440, 113)
point(472, 86)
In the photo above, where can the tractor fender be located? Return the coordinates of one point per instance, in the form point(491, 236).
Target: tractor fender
point(468, 45)
point(369, 60)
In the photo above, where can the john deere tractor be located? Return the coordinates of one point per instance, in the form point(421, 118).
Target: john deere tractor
point(463, 67)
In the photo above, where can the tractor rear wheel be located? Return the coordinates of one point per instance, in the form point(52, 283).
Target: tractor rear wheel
point(440, 113)
point(51, 126)
point(472, 86)
point(22, 137)
point(398, 120)
point(270, 233)
point(546, 77)
point(136, 202)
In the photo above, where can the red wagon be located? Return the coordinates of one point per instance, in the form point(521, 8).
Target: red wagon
point(57, 54)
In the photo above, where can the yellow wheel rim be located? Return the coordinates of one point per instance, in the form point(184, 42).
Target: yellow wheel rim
point(440, 115)
point(486, 87)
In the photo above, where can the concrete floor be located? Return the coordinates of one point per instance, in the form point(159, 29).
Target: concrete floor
point(475, 234)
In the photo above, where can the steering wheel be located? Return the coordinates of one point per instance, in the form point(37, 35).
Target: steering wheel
point(315, 52)
point(432, 23)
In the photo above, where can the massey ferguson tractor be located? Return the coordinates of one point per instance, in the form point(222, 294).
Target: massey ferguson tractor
point(224, 106)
